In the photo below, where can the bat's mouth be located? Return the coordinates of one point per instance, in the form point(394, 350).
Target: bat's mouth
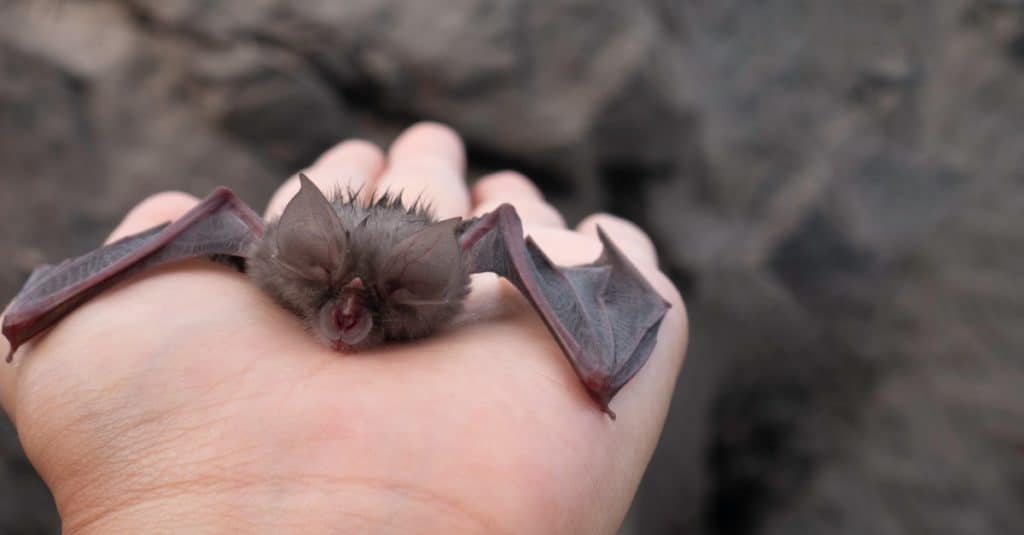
point(346, 322)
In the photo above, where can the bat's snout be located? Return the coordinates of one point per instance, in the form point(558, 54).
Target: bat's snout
point(353, 320)
point(346, 322)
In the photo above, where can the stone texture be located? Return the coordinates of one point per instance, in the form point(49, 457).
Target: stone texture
point(836, 186)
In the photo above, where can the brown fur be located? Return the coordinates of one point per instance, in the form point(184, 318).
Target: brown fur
point(373, 230)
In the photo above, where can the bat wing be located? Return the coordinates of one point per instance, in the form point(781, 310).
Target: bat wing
point(220, 225)
point(604, 315)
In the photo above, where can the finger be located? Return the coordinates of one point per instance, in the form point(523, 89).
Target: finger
point(642, 404)
point(351, 165)
point(510, 187)
point(8, 374)
point(428, 161)
point(8, 380)
point(154, 210)
point(628, 237)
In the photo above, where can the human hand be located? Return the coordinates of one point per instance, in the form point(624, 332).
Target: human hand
point(187, 401)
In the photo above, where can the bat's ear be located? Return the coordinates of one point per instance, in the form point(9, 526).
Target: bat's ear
point(310, 237)
point(422, 267)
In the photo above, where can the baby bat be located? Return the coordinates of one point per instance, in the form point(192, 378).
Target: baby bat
point(362, 273)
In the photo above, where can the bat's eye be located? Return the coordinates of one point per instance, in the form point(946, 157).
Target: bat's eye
point(422, 267)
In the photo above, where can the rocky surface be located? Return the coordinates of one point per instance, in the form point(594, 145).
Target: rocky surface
point(836, 187)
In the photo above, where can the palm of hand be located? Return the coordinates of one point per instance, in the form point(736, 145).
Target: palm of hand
point(210, 390)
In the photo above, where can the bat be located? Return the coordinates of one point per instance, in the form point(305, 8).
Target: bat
point(362, 273)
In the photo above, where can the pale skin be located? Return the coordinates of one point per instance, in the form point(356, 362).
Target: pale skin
point(186, 401)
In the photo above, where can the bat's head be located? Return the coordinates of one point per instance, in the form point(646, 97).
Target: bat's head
point(361, 274)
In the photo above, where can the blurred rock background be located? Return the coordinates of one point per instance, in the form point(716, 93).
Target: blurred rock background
point(837, 187)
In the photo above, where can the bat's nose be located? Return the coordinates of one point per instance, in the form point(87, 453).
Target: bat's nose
point(346, 322)
point(350, 308)
point(352, 319)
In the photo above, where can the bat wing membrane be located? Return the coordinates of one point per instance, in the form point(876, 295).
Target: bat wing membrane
point(220, 225)
point(604, 315)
